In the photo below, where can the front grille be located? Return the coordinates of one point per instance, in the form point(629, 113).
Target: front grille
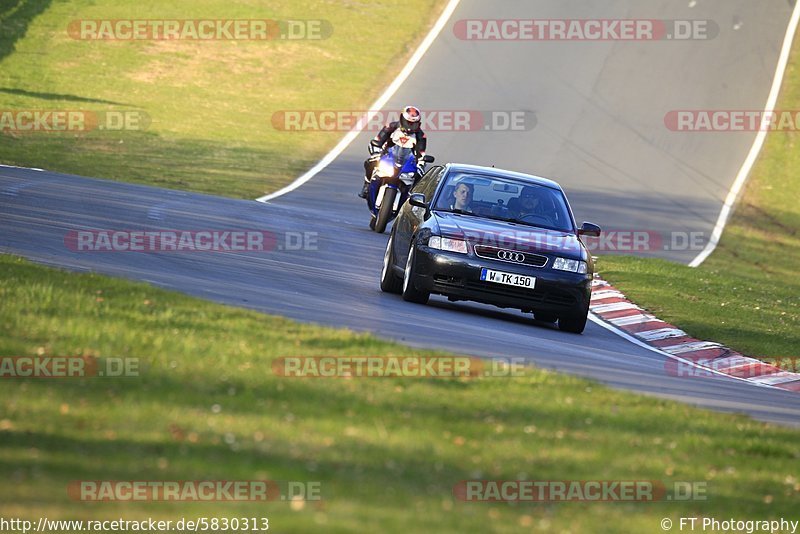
point(510, 256)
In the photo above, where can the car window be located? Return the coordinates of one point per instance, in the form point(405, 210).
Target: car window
point(427, 184)
point(507, 199)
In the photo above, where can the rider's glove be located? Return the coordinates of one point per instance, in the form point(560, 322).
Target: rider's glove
point(373, 148)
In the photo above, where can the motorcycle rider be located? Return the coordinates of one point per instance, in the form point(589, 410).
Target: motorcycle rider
point(406, 133)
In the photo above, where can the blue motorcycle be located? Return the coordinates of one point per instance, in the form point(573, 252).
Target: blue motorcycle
point(391, 180)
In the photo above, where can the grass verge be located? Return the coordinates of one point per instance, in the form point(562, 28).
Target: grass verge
point(206, 107)
point(387, 452)
point(747, 293)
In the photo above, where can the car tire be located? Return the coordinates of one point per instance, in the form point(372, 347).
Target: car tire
point(389, 282)
point(573, 323)
point(410, 292)
point(545, 317)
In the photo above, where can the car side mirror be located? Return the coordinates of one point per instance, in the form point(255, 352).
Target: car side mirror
point(589, 229)
point(418, 200)
point(428, 158)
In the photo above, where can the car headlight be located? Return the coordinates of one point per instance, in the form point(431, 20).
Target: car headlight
point(573, 266)
point(450, 245)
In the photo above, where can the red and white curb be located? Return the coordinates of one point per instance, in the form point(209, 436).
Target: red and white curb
point(686, 356)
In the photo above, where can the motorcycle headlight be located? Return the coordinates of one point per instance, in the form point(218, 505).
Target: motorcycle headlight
point(573, 266)
point(385, 168)
point(449, 245)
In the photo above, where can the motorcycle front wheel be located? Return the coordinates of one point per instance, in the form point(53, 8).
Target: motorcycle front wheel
point(385, 212)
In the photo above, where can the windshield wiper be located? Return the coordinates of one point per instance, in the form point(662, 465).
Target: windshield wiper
point(492, 217)
point(503, 219)
point(498, 218)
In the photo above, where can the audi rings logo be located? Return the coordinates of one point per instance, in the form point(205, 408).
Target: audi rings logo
point(510, 255)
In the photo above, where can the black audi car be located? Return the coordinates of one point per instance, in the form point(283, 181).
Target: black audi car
point(492, 236)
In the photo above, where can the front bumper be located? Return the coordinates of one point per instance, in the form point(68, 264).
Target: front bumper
point(457, 276)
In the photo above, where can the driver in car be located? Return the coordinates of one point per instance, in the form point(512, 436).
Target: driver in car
point(462, 196)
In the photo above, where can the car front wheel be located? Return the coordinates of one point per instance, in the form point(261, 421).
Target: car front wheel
point(574, 323)
point(410, 291)
point(389, 282)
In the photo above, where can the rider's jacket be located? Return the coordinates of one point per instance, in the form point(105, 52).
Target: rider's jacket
point(392, 134)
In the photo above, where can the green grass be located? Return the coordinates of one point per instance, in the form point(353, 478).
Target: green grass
point(747, 293)
point(210, 103)
point(387, 452)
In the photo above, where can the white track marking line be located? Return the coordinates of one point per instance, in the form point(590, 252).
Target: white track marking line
point(607, 294)
point(692, 346)
point(733, 362)
point(373, 110)
point(633, 319)
point(596, 320)
point(24, 168)
point(717, 366)
point(758, 142)
point(617, 306)
point(776, 378)
point(660, 333)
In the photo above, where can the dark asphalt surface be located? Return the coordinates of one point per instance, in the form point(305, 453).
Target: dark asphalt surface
point(599, 132)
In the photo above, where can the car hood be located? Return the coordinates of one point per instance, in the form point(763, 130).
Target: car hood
point(525, 238)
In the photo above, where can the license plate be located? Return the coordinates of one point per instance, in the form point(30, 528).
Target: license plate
point(509, 279)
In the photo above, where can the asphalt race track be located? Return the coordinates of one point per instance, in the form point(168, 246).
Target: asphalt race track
point(599, 130)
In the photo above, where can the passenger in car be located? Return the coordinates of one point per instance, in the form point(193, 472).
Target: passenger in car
point(532, 201)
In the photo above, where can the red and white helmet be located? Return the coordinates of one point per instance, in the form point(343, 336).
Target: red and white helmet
point(410, 119)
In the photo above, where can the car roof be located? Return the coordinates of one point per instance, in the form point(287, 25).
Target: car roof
point(502, 173)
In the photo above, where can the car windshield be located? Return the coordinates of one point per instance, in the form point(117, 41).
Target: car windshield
point(505, 199)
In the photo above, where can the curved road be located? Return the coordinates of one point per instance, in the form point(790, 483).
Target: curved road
point(599, 109)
